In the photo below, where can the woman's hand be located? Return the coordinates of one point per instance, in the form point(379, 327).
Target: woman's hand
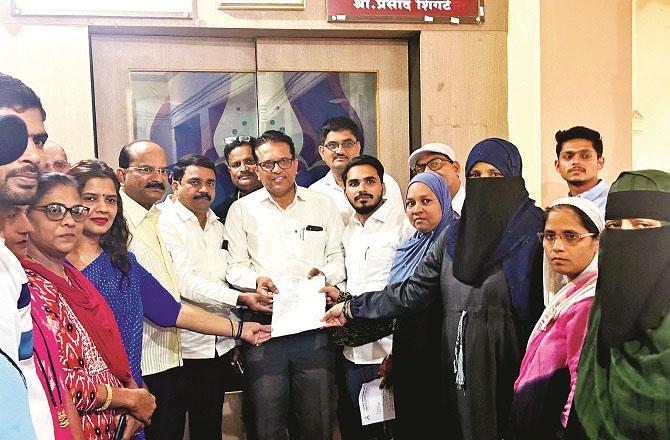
point(132, 426)
point(332, 294)
point(334, 317)
point(385, 371)
point(255, 333)
point(142, 406)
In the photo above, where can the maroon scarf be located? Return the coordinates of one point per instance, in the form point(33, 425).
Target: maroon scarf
point(93, 312)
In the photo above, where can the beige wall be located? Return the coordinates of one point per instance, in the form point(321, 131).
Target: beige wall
point(523, 79)
point(54, 61)
point(651, 84)
point(463, 98)
point(585, 67)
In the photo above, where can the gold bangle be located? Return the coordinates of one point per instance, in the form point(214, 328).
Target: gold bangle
point(108, 399)
point(232, 328)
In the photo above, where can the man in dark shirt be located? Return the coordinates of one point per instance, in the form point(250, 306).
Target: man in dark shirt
point(239, 158)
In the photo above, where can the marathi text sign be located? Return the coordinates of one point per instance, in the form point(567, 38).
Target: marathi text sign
point(405, 10)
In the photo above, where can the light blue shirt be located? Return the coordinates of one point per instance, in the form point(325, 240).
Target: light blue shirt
point(15, 421)
point(598, 195)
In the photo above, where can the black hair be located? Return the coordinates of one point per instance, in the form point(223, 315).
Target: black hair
point(115, 240)
point(584, 219)
point(579, 132)
point(47, 181)
point(364, 160)
point(19, 97)
point(236, 143)
point(124, 154)
point(197, 160)
point(339, 123)
point(274, 136)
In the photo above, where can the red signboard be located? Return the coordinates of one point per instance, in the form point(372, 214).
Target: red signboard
point(454, 11)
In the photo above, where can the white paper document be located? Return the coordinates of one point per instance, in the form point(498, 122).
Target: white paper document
point(376, 405)
point(298, 306)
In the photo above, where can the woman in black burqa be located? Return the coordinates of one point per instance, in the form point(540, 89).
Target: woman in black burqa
point(487, 269)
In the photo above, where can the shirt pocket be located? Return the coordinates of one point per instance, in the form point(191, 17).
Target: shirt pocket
point(381, 255)
point(314, 247)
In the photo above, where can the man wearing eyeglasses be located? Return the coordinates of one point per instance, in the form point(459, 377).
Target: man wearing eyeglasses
point(283, 229)
point(239, 157)
point(55, 158)
point(440, 159)
point(143, 174)
point(340, 144)
point(194, 237)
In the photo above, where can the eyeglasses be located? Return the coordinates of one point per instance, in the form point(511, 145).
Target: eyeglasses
point(434, 164)
point(241, 139)
point(269, 165)
point(347, 144)
point(58, 211)
point(567, 238)
point(61, 166)
point(246, 162)
point(145, 171)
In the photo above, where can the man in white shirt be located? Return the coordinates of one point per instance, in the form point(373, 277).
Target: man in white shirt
point(579, 157)
point(194, 237)
point(440, 159)
point(279, 230)
point(370, 241)
point(339, 144)
point(18, 184)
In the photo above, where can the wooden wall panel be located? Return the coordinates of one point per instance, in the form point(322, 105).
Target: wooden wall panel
point(463, 88)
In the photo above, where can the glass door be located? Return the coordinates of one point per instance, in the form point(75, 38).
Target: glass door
point(189, 95)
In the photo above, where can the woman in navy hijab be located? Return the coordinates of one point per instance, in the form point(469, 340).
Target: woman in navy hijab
point(487, 270)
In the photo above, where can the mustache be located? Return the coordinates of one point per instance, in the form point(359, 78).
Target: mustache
point(157, 185)
point(246, 173)
point(26, 169)
point(576, 169)
point(203, 196)
point(364, 195)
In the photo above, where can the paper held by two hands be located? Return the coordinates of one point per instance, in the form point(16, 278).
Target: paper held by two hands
point(298, 306)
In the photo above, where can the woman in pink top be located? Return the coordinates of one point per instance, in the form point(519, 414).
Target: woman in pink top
point(544, 390)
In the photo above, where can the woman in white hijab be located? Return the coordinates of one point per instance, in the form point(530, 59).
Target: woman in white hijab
point(544, 390)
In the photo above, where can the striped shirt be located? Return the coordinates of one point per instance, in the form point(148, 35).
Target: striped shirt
point(16, 336)
point(160, 345)
point(16, 326)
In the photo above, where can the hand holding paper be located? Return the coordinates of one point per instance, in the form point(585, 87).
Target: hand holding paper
point(298, 306)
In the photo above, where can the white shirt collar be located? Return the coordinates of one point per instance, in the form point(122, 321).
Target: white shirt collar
point(329, 179)
point(263, 194)
point(186, 214)
point(381, 214)
point(133, 211)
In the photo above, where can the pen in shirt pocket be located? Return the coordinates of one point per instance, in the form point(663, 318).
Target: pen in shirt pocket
point(311, 228)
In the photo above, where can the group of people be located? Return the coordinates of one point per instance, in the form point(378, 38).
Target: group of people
point(124, 305)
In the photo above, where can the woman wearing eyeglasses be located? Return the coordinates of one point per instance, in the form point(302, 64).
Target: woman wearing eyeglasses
point(91, 353)
point(544, 391)
point(131, 292)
